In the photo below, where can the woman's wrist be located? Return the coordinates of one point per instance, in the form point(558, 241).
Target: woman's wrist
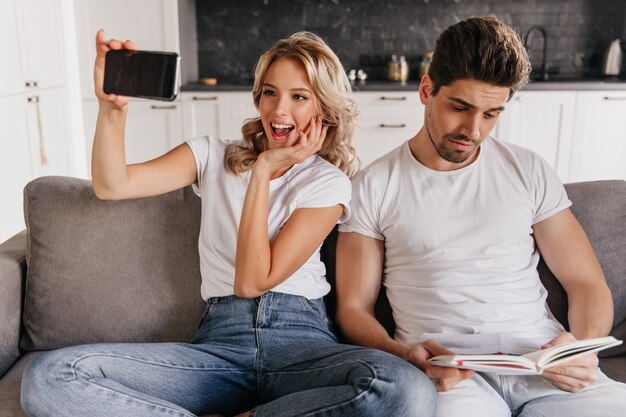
point(106, 107)
point(262, 169)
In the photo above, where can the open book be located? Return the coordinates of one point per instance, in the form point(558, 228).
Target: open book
point(532, 363)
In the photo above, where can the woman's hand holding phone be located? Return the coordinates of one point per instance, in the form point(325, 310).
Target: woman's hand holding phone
point(102, 47)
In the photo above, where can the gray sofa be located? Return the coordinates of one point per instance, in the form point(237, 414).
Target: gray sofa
point(87, 271)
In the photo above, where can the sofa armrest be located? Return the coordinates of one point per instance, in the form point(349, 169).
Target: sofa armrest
point(12, 279)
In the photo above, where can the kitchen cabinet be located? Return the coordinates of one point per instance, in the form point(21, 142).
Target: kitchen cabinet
point(542, 121)
point(34, 143)
point(241, 108)
point(40, 32)
point(37, 109)
point(220, 114)
point(152, 128)
point(11, 68)
point(153, 25)
point(48, 132)
point(15, 164)
point(201, 113)
point(385, 121)
point(33, 52)
point(599, 142)
point(555, 124)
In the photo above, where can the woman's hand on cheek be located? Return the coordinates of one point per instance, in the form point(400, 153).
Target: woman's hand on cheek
point(309, 142)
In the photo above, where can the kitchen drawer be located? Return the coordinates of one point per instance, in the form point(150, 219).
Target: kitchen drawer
point(385, 121)
point(374, 139)
point(203, 113)
point(388, 105)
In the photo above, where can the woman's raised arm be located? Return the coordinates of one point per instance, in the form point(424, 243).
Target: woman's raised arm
point(112, 178)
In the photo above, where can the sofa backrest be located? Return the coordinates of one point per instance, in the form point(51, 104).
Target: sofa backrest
point(127, 271)
point(109, 271)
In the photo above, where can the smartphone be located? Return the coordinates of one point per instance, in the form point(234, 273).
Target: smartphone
point(144, 74)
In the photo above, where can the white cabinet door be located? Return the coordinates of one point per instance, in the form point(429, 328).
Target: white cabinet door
point(40, 33)
point(541, 121)
point(151, 24)
point(201, 113)
point(241, 109)
point(11, 72)
point(152, 128)
point(15, 164)
point(385, 121)
point(48, 132)
point(599, 148)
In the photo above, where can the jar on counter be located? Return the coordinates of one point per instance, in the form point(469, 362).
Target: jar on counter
point(398, 69)
point(425, 64)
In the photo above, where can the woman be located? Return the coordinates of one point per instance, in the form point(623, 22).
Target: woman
point(263, 345)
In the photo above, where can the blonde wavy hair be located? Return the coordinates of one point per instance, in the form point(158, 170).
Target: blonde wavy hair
point(332, 89)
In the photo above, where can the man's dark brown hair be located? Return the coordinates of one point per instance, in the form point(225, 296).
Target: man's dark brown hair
point(483, 49)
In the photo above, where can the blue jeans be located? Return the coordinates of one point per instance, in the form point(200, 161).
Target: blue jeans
point(274, 354)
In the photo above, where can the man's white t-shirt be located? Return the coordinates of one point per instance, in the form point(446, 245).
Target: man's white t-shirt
point(314, 183)
point(460, 258)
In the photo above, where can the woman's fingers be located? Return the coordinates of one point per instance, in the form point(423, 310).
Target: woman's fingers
point(130, 45)
point(103, 46)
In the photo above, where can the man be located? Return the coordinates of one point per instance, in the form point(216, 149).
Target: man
point(452, 223)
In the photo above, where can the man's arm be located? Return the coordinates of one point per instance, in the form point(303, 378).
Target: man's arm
point(567, 252)
point(359, 277)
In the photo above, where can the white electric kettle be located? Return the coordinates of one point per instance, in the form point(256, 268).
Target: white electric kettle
point(613, 59)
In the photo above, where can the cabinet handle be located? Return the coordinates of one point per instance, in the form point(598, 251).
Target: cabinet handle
point(403, 98)
point(170, 107)
point(392, 126)
point(613, 98)
point(27, 83)
point(210, 98)
point(43, 158)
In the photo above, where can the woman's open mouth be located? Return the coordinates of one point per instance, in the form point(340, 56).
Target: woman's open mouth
point(281, 131)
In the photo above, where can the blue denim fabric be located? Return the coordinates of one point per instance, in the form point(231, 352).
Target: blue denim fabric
point(274, 354)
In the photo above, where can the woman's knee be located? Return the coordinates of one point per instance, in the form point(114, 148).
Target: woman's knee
point(38, 381)
point(399, 386)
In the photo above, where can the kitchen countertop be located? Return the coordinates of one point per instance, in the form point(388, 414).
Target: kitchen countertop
point(578, 85)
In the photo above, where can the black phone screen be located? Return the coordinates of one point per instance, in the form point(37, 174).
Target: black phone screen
point(144, 74)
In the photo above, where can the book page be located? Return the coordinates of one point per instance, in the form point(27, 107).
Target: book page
point(529, 364)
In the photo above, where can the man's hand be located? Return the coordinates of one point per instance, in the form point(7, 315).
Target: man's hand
point(575, 374)
point(443, 378)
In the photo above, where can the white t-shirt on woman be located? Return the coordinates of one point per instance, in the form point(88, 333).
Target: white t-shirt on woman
point(314, 183)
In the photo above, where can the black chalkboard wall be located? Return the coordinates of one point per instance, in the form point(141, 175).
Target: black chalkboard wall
point(364, 33)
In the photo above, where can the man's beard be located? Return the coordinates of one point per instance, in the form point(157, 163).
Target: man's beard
point(451, 155)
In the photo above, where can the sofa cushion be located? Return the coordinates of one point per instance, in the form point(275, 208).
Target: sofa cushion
point(10, 388)
point(614, 367)
point(12, 268)
point(109, 271)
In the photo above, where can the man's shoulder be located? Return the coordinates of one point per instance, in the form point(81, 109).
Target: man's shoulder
point(513, 154)
point(382, 167)
point(501, 147)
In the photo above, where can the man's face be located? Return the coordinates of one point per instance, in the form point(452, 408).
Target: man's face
point(461, 116)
